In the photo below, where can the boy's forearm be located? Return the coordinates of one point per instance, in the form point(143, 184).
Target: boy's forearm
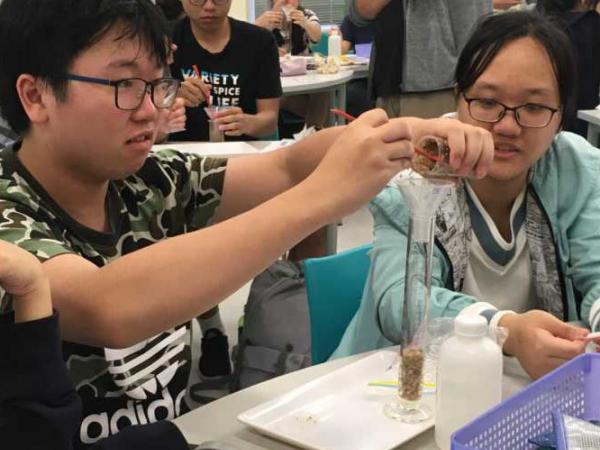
point(299, 160)
point(141, 294)
point(264, 123)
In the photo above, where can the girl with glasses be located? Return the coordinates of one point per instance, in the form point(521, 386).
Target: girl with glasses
point(519, 246)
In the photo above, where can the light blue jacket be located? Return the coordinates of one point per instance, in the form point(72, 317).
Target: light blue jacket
point(563, 230)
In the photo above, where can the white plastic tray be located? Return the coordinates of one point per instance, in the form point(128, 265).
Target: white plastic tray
point(339, 411)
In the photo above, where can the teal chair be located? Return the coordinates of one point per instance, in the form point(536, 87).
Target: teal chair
point(334, 285)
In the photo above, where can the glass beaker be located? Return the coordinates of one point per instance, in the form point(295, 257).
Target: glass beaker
point(214, 133)
point(422, 197)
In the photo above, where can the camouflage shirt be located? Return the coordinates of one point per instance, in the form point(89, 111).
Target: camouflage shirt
point(173, 193)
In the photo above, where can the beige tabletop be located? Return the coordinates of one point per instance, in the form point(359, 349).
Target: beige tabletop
point(314, 82)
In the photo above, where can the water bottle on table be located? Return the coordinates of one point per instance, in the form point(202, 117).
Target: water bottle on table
point(469, 378)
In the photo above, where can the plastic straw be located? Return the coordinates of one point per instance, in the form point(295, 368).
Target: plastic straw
point(418, 150)
point(197, 71)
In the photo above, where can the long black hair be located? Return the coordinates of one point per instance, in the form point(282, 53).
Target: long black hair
point(494, 32)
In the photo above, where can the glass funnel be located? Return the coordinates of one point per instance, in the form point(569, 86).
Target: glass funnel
point(422, 197)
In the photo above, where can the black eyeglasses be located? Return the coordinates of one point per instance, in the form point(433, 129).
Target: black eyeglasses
point(530, 115)
point(202, 2)
point(130, 92)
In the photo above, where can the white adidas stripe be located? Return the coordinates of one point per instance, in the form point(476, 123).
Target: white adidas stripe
point(149, 354)
point(151, 368)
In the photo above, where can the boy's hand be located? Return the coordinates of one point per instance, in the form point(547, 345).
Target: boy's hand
point(234, 122)
point(371, 150)
point(194, 92)
point(22, 276)
point(541, 342)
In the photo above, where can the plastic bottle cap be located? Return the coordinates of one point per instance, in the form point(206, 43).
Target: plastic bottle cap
point(470, 325)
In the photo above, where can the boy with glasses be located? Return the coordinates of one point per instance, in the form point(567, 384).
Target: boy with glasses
point(519, 246)
point(123, 234)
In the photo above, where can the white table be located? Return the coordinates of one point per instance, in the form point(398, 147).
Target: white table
point(592, 117)
point(314, 82)
point(233, 149)
point(221, 149)
point(217, 421)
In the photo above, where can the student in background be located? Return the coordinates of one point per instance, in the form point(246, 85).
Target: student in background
point(229, 64)
point(415, 49)
point(295, 28)
point(353, 35)
point(224, 62)
point(357, 92)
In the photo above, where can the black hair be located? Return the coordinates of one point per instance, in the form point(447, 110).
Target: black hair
point(43, 37)
point(172, 9)
point(494, 32)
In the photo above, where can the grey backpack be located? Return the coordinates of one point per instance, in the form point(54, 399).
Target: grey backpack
point(275, 336)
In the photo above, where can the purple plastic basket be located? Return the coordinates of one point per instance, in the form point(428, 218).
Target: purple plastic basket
point(574, 388)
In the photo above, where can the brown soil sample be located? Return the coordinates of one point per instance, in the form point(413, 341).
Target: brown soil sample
point(413, 360)
point(431, 168)
point(422, 165)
